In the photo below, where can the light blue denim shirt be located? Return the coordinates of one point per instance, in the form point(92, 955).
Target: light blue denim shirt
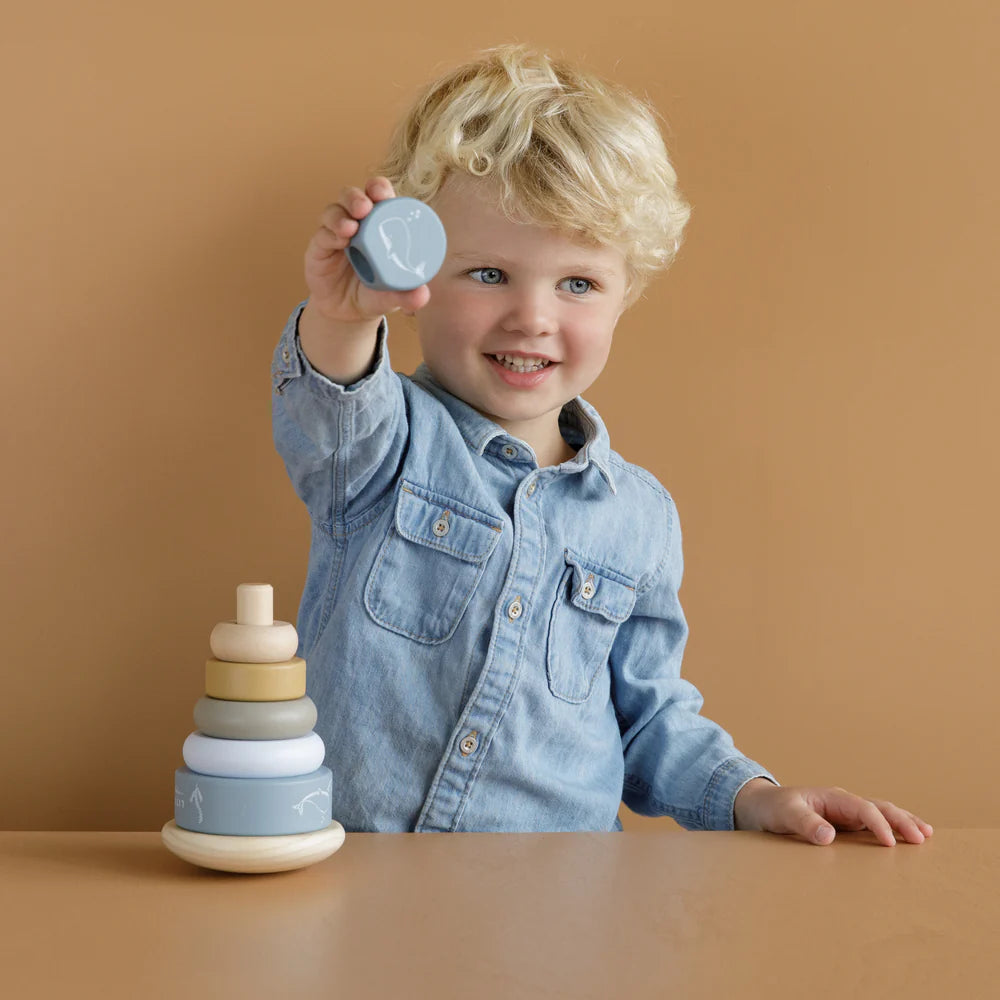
point(491, 646)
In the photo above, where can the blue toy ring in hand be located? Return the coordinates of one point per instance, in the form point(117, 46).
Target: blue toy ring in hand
point(399, 246)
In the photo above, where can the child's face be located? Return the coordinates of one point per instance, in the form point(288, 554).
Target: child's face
point(520, 290)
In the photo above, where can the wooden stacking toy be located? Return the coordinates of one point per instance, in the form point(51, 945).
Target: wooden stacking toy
point(254, 796)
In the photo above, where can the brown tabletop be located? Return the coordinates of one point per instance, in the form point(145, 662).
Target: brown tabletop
point(478, 916)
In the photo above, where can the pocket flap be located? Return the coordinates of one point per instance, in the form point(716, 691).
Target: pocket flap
point(442, 523)
point(600, 590)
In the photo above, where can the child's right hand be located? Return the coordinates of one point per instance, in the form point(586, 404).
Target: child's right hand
point(335, 291)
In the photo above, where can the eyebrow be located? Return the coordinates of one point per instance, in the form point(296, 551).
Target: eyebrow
point(504, 262)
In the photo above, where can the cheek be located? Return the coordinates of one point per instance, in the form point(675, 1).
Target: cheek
point(449, 308)
point(443, 334)
point(591, 345)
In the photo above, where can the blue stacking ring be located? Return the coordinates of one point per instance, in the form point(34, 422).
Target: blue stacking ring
point(252, 807)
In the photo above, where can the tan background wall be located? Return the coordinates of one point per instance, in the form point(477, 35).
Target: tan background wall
point(815, 380)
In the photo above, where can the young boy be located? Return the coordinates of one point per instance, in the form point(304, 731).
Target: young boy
point(490, 614)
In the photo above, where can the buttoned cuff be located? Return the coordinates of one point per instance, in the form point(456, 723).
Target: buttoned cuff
point(290, 363)
point(720, 799)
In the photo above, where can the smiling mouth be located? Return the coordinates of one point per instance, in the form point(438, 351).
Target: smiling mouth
point(513, 364)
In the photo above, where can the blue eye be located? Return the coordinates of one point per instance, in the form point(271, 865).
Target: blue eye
point(487, 275)
point(578, 286)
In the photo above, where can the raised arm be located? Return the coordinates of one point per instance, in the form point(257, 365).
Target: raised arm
point(337, 408)
point(337, 328)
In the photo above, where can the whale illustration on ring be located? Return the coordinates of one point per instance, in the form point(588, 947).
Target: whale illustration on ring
point(299, 807)
point(395, 234)
point(197, 797)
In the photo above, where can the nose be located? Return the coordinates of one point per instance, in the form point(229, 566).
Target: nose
point(530, 311)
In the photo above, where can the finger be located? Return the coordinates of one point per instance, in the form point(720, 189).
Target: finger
point(847, 811)
point(340, 221)
point(799, 818)
point(876, 821)
point(913, 829)
point(379, 188)
point(336, 229)
point(417, 299)
point(355, 202)
point(338, 212)
point(409, 302)
point(822, 832)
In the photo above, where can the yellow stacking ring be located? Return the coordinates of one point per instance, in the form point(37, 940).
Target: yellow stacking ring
point(280, 681)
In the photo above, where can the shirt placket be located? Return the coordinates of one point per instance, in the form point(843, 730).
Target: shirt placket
point(484, 711)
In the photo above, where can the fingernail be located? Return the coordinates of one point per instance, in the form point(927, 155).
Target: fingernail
point(824, 834)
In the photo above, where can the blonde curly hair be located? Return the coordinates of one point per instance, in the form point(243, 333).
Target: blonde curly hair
point(566, 148)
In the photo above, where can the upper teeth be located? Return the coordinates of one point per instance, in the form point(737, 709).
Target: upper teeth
point(521, 364)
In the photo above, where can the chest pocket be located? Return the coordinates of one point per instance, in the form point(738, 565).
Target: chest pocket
point(429, 564)
point(591, 603)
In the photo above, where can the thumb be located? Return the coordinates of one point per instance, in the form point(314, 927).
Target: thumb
point(808, 823)
point(822, 832)
point(816, 829)
point(411, 301)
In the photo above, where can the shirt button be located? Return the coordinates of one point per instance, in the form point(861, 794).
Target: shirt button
point(469, 744)
point(441, 526)
point(285, 356)
point(515, 609)
point(588, 589)
point(509, 451)
point(531, 487)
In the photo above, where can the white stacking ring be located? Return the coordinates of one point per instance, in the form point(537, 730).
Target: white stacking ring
point(253, 758)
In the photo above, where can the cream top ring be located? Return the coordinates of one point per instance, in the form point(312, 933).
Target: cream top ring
point(254, 643)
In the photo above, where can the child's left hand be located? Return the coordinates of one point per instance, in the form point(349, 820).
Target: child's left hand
point(761, 805)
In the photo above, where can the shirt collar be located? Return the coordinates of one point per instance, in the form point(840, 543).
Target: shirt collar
point(579, 422)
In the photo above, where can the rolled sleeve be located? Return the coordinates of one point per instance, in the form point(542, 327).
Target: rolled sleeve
point(290, 363)
point(334, 438)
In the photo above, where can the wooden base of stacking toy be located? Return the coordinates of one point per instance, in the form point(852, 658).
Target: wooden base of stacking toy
point(252, 854)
